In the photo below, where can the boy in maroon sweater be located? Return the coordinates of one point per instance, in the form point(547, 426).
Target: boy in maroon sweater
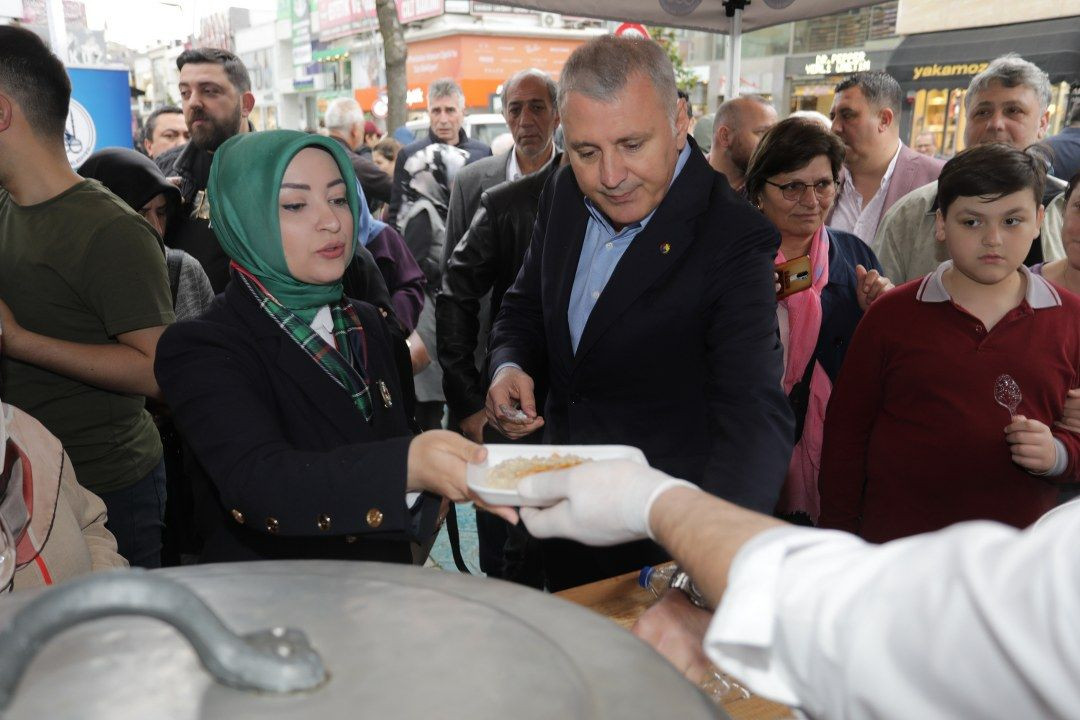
point(914, 438)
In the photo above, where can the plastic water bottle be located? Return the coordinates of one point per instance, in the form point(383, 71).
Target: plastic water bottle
point(656, 579)
point(719, 687)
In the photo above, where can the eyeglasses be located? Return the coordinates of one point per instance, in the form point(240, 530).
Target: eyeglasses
point(824, 189)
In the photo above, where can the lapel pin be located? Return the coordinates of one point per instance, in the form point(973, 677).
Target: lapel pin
point(385, 392)
point(665, 248)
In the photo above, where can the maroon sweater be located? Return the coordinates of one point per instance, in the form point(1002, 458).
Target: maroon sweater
point(914, 440)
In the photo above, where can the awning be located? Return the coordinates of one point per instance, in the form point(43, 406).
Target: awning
point(707, 15)
point(951, 58)
point(732, 17)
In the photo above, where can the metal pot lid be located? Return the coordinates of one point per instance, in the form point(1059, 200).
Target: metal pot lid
point(396, 642)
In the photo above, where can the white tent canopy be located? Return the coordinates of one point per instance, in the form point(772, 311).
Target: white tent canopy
point(731, 17)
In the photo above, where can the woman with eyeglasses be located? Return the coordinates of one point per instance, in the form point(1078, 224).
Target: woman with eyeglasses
point(826, 279)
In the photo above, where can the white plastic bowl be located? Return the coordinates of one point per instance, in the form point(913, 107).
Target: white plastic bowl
point(476, 475)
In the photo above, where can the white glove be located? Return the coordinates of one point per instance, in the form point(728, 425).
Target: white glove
point(597, 503)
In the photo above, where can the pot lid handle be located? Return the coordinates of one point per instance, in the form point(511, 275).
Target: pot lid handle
point(273, 660)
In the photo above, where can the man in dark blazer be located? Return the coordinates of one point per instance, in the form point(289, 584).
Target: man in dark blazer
point(646, 301)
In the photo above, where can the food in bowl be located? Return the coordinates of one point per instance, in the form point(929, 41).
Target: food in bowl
point(507, 474)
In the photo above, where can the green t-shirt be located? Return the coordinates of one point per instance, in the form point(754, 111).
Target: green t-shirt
point(84, 267)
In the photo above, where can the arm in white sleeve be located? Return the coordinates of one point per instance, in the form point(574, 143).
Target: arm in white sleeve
point(978, 620)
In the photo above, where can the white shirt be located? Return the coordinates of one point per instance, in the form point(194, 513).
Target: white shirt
point(978, 620)
point(851, 215)
point(513, 170)
point(323, 324)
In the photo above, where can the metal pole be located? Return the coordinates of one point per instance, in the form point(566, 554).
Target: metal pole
point(735, 56)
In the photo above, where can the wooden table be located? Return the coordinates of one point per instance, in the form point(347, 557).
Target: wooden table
point(621, 600)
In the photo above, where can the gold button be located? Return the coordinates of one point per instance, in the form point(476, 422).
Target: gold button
point(238, 516)
point(374, 517)
point(350, 538)
point(323, 523)
point(271, 525)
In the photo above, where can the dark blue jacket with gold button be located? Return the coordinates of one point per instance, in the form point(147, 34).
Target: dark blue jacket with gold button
point(295, 471)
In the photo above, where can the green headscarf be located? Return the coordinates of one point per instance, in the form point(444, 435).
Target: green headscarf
point(245, 179)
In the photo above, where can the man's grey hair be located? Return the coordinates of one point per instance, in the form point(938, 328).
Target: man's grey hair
point(600, 69)
point(445, 87)
point(729, 115)
point(1011, 71)
point(552, 86)
point(342, 114)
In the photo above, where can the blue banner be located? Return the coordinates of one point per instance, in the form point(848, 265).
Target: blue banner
point(100, 113)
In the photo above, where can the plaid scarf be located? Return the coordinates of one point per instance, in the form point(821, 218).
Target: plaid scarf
point(338, 363)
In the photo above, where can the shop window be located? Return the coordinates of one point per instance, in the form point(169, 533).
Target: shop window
point(767, 41)
point(955, 122)
point(940, 112)
point(852, 28)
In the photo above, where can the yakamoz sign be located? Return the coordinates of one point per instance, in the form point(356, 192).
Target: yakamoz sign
point(920, 72)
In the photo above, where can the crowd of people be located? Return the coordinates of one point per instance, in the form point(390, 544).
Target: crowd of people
point(278, 344)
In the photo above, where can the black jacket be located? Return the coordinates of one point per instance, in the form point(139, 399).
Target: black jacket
point(486, 259)
point(298, 472)
point(375, 182)
point(474, 148)
point(680, 356)
point(189, 229)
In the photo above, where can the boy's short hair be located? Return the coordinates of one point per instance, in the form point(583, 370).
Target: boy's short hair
point(992, 170)
point(1073, 182)
point(36, 79)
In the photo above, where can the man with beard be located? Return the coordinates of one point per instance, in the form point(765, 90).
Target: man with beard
point(737, 130)
point(215, 91)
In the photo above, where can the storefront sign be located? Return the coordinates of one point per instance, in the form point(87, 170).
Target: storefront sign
point(301, 33)
point(920, 72)
point(411, 10)
point(843, 63)
point(99, 115)
point(341, 18)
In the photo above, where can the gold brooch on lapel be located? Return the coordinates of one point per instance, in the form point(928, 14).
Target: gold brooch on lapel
point(665, 248)
point(387, 401)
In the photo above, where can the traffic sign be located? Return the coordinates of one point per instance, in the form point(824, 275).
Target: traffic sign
point(632, 30)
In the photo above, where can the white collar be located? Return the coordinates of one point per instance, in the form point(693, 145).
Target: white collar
point(513, 170)
point(1040, 294)
point(845, 174)
point(323, 322)
point(892, 164)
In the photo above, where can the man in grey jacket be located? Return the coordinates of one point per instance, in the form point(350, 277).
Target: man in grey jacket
point(1007, 102)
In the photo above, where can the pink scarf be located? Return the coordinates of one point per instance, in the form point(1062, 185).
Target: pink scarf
point(800, 492)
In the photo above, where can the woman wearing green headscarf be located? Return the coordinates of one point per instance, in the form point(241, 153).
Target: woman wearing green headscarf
point(286, 390)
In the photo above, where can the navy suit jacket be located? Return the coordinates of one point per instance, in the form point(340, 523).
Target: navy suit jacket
point(840, 311)
point(680, 356)
point(296, 470)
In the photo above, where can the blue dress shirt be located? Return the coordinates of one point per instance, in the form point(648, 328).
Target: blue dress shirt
point(600, 254)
